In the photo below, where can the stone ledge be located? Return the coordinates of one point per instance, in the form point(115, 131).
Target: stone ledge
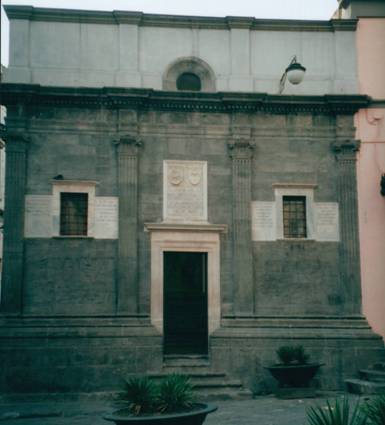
point(175, 21)
point(294, 334)
point(149, 99)
point(76, 327)
point(184, 227)
point(311, 327)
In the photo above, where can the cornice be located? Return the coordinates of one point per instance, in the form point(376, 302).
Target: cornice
point(148, 99)
point(177, 21)
point(377, 103)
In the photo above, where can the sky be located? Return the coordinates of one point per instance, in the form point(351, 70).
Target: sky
point(278, 9)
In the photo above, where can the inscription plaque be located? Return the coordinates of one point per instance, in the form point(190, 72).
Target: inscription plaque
point(327, 221)
point(263, 221)
point(185, 191)
point(38, 222)
point(106, 217)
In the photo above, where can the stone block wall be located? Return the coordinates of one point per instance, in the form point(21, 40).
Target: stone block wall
point(84, 304)
point(64, 276)
point(73, 277)
point(77, 358)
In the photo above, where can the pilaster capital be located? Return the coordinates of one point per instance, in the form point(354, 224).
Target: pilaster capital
point(240, 148)
point(345, 149)
point(15, 141)
point(128, 145)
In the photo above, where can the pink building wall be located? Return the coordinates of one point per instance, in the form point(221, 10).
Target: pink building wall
point(370, 124)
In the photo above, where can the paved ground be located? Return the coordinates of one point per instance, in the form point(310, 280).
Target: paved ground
point(266, 410)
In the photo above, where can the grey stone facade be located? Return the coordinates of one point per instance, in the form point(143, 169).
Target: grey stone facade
point(78, 313)
point(77, 317)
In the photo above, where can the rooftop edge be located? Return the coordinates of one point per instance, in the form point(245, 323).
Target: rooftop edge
point(178, 21)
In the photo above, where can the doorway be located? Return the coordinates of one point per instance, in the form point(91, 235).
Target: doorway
point(185, 303)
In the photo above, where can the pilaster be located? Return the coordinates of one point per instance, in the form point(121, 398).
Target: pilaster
point(345, 150)
point(127, 283)
point(13, 248)
point(241, 153)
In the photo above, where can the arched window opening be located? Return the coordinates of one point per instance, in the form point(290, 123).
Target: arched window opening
point(188, 81)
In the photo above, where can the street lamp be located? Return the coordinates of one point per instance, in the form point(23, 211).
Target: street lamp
point(294, 73)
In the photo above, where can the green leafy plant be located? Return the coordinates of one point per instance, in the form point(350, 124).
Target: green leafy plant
point(140, 394)
point(338, 413)
point(292, 354)
point(375, 410)
point(143, 395)
point(175, 394)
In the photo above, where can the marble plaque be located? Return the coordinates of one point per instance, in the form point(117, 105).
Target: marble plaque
point(263, 221)
point(185, 191)
point(327, 221)
point(38, 216)
point(106, 217)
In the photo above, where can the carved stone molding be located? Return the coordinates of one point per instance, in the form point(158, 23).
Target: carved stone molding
point(374, 116)
point(128, 145)
point(145, 99)
point(345, 150)
point(189, 64)
point(15, 141)
point(175, 21)
point(241, 149)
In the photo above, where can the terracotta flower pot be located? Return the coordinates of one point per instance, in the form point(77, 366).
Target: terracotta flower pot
point(194, 417)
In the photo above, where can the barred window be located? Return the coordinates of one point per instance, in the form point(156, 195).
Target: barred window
point(294, 217)
point(73, 213)
point(188, 81)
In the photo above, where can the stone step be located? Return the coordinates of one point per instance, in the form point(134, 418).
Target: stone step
point(216, 383)
point(361, 386)
point(185, 370)
point(209, 385)
point(192, 375)
point(186, 361)
point(372, 375)
point(215, 394)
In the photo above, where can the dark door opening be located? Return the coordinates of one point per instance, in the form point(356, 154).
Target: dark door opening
point(185, 302)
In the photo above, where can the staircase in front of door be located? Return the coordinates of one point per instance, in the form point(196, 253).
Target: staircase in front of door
point(208, 384)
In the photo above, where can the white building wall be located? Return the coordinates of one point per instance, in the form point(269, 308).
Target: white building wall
point(128, 55)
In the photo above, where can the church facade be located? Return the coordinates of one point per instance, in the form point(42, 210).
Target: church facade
point(165, 202)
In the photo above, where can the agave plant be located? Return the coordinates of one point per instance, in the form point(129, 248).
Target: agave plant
point(140, 394)
point(289, 354)
point(175, 394)
point(375, 410)
point(338, 413)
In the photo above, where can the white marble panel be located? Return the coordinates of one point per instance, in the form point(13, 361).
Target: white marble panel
point(106, 217)
point(38, 222)
point(185, 191)
point(263, 221)
point(327, 221)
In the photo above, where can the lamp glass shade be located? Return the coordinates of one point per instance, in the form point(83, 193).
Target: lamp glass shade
point(295, 73)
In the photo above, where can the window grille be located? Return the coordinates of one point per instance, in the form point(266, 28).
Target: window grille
point(188, 81)
point(294, 217)
point(73, 213)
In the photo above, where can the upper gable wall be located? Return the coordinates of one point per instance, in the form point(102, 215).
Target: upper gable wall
point(95, 49)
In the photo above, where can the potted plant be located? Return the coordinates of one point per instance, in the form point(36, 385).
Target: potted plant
point(171, 402)
point(294, 372)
